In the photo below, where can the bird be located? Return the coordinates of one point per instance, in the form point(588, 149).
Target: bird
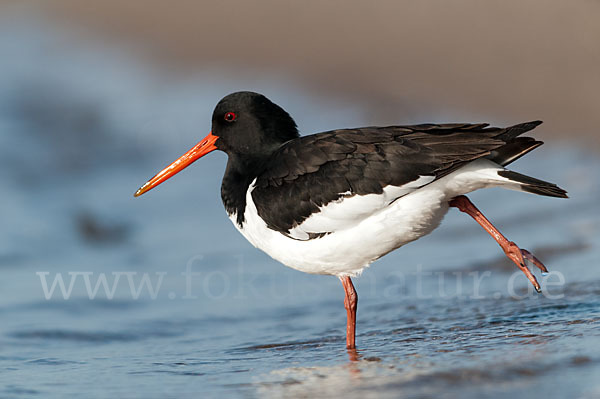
point(334, 202)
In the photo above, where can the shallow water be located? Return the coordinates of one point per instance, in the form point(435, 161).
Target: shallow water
point(446, 316)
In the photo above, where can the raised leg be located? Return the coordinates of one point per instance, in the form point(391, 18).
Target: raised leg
point(350, 302)
point(514, 253)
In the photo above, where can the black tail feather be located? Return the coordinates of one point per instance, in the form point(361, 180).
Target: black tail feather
point(511, 132)
point(514, 150)
point(533, 185)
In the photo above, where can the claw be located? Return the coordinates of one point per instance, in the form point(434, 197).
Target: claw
point(531, 258)
point(530, 277)
point(519, 257)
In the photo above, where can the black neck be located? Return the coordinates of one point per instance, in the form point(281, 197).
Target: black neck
point(240, 172)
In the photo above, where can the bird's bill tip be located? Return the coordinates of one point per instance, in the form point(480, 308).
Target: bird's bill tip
point(142, 189)
point(205, 146)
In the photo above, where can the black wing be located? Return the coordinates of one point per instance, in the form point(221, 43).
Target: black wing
point(312, 171)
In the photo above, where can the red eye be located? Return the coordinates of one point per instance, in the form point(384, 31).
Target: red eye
point(230, 117)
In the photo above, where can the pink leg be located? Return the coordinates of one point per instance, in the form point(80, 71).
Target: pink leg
point(514, 253)
point(350, 302)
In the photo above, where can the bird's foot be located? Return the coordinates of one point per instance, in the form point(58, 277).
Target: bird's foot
point(520, 257)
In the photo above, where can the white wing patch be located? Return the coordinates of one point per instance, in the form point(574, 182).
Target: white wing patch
point(347, 212)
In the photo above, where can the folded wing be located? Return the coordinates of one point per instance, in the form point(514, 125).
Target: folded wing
point(318, 184)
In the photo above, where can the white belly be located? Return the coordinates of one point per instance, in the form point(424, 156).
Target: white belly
point(349, 250)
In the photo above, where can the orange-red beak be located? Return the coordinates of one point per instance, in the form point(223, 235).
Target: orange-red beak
point(198, 151)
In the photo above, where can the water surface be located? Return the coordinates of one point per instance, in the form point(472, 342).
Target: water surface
point(447, 316)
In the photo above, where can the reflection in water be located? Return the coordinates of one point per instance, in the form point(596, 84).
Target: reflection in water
point(353, 355)
point(497, 356)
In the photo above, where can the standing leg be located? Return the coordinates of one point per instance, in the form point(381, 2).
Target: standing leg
point(514, 253)
point(350, 302)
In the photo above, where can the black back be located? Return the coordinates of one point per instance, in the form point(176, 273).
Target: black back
point(297, 175)
point(309, 172)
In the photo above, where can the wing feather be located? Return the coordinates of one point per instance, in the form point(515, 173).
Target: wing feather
point(371, 166)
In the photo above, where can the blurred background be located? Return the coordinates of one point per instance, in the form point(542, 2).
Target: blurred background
point(96, 97)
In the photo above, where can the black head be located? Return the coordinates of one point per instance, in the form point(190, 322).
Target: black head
point(248, 127)
point(249, 124)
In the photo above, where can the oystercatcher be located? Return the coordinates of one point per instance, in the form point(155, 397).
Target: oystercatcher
point(334, 202)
